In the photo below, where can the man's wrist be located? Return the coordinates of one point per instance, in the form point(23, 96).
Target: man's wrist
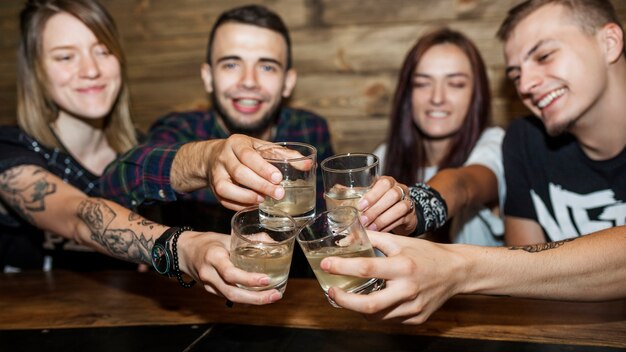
point(189, 170)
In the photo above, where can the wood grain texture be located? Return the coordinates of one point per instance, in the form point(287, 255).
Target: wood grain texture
point(60, 299)
point(347, 54)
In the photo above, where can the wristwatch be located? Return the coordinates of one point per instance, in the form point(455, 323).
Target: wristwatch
point(162, 258)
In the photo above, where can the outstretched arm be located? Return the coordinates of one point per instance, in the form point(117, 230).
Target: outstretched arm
point(47, 202)
point(421, 275)
point(232, 168)
point(385, 209)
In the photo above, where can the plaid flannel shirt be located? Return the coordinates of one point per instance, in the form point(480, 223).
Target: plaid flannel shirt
point(142, 175)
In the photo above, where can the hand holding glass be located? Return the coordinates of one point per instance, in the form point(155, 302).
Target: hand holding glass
point(337, 232)
point(297, 162)
point(347, 177)
point(263, 245)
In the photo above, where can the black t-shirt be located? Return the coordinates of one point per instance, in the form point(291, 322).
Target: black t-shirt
point(24, 246)
point(550, 180)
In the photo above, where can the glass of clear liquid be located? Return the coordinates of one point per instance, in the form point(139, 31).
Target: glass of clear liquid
point(337, 232)
point(347, 177)
point(298, 163)
point(263, 245)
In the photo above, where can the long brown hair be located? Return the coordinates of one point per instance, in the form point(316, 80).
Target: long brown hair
point(406, 157)
point(35, 108)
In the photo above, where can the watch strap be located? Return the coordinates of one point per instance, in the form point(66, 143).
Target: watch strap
point(164, 242)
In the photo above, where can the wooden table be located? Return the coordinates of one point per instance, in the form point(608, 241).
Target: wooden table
point(61, 300)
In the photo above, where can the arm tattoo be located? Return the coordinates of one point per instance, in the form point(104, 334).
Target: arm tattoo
point(122, 243)
point(26, 199)
point(540, 247)
point(96, 215)
point(141, 221)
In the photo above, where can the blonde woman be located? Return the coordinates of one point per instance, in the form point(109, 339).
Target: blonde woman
point(73, 120)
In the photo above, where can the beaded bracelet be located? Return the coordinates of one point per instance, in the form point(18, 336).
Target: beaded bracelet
point(177, 272)
point(431, 208)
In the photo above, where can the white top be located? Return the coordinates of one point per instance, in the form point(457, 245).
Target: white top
point(475, 226)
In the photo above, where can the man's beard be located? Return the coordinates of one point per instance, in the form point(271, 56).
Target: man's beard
point(254, 129)
point(561, 128)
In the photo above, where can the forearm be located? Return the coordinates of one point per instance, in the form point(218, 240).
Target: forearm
point(231, 168)
point(114, 230)
point(189, 170)
point(52, 205)
point(589, 268)
point(469, 186)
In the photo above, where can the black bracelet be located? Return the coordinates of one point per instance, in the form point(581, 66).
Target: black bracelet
point(430, 207)
point(177, 273)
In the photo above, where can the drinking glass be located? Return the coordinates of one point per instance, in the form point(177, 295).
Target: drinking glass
point(347, 177)
point(263, 245)
point(297, 162)
point(337, 232)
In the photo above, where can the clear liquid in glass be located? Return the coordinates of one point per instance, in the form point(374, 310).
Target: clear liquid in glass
point(299, 201)
point(343, 196)
point(274, 261)
point(346, 283)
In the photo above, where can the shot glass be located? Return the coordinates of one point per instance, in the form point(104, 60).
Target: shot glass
point(337, 232)
point(263, 245)
point(347, 177)
point(297, 162)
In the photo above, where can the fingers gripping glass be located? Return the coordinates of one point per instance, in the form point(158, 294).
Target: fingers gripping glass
point(337, 232)
point(297, 163)
point(263, 244)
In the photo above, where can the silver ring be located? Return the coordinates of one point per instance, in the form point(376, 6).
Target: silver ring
point(402, 192)
point(411, 205)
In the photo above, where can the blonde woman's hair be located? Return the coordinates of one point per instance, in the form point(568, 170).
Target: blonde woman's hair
point(35, 108)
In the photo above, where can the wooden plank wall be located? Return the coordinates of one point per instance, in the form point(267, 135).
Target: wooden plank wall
point(347, 53)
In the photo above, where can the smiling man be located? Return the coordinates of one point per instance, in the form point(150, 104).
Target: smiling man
point(200, 166)
point(566, 177)
point(565, 166)
point(200, 158)
point(248, 72)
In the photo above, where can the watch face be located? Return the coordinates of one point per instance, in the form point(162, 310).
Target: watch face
point(160, 259)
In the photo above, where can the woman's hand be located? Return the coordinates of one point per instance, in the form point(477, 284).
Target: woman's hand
point(387, 207)
point(206, 258)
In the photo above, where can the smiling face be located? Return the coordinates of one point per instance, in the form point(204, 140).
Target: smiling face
point(442, 91)
point(83, 78)
point(559, 70)
point(247, 76)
